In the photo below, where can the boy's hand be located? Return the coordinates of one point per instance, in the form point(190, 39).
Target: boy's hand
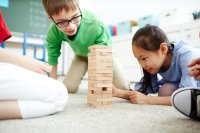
point(195, 70)
point(137, 97)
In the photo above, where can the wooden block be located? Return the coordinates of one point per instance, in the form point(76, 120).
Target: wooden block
point(94, 62)
point(99, 102)
point(106, 61)
point(100, 57)
point(99, 67)
point(104, 106)
point(99, 99)
point(99, 71)
point(100, 95)
point(98, 63)
point(106, 54)
point(100, 81)
point(101, 50)
point(100, 75)
point(96, 78)
point(94, 91)
point(94, 54)
point(99, 46)
point(100, 85)
point(100, 91)
point(197, 66)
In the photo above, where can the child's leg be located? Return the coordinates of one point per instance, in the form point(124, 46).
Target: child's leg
point(75, 73)
point(166, 89)
point(37, 95)
point(9, 110)
point(119, 79)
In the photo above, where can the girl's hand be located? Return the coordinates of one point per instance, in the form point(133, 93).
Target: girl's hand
point(137, 97)
point(114, 91)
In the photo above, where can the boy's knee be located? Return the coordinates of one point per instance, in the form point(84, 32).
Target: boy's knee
point(72, 88)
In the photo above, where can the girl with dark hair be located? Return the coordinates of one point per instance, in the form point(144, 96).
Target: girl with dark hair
point(157, 56)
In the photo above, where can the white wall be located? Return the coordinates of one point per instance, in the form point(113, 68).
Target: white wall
point(114, 11)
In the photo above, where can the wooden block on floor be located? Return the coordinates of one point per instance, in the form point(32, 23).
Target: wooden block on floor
point(100, 75)
point(99, 100)
point(103, 106)
point(100, 90)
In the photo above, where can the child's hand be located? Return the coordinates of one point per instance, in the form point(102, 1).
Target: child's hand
point(114, 91)
point(137, 97)
point(36, 65)
point(195, 72)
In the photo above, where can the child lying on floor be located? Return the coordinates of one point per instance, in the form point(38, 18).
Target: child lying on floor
point(156, 55)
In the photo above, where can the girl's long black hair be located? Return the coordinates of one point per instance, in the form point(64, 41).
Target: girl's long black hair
point(149, 38)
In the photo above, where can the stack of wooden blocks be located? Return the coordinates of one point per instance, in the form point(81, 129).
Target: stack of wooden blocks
point(100, 76)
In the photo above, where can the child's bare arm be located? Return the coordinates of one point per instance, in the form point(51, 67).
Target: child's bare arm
point(53, 73)
point(140, 98)
point(120, 93)
point(24, 61)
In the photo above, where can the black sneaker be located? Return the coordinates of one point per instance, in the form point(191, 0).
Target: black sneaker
point(187, 101)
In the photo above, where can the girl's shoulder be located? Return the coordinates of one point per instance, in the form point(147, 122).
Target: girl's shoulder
point(183, 47)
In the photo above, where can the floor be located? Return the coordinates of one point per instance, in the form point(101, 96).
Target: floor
point(125, 117)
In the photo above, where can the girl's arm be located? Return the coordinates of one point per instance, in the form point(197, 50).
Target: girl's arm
point(136, 97)
point(119, 93)
point(140, 98)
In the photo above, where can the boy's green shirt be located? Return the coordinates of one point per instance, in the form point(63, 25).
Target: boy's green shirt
point(91, 31)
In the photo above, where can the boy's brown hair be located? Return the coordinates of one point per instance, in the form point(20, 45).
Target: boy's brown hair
point(53, 7)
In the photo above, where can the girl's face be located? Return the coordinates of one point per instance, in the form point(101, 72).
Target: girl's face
point(68, 22)
point(151, 61)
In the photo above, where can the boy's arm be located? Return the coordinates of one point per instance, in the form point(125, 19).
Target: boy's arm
point(54, 72)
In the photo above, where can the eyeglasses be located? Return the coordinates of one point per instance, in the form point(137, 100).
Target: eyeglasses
point(66, 22)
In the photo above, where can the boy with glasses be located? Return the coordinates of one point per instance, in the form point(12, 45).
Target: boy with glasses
point(81, 29)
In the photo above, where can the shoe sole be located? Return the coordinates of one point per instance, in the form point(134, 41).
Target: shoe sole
point(194, 101)
point(198, 105)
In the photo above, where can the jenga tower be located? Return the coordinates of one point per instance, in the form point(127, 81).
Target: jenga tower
point(100, 76)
